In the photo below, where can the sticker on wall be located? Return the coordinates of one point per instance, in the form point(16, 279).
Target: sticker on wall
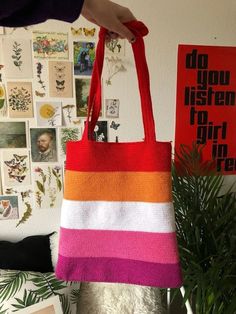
point(68, 134)
point(84, 56)
point(40, 78)
point(114, 125)
point(13, 135)
point(16, 168)
point(9, 207)
point(82, 87)
point(68, 113)
point(3, 102)
point(60, 79)
point(25, 200)
point(83, 31)
point(48, 186)
point(50, 45)
point(115, 47)
point(114, 66)
point(100, 131)
point(17, 58)
point(43, 144)
point(49, 113)
point(112, 108)
point(76, 31)
point(20, 99)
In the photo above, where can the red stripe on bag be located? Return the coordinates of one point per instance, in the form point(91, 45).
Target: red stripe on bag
point(140, 156)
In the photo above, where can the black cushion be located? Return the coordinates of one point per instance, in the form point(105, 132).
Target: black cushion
point(32, 253)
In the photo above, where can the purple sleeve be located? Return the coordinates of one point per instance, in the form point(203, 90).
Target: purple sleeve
point(16, 13)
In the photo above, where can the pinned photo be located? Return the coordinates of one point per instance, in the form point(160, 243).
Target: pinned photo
point(13, 135)
point(84, 56)
point(9, 207)
point(43, 144)
point(112, 108)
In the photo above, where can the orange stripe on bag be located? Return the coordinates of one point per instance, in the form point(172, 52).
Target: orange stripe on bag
point(118, 186)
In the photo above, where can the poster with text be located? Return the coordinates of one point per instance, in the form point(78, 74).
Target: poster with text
point(206, 103)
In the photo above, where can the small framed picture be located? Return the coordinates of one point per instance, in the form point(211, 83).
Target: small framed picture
point(43, 144)
point(100, 131)
point(13, 134)
point(84, 56)
point(49, 306)
point(112, 108)
point(9, 208)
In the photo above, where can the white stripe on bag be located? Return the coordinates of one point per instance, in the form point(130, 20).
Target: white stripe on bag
point(130, 216)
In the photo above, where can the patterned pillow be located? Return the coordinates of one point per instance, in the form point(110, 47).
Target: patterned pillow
point(19, 289)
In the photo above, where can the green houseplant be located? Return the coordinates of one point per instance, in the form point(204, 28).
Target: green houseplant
point(206, 231)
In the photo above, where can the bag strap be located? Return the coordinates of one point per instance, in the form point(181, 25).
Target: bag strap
point(94, 103)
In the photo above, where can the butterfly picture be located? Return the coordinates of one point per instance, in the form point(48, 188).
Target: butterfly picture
point(89, 32)
point(114, 125)
point(17, 168)
point(77, 121)
point(19, 158)
point(59, 69)
point(62, 83)
point(39, 94)
point(76, 31)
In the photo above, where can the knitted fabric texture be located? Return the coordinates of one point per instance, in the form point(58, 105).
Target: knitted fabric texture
point(117, 221)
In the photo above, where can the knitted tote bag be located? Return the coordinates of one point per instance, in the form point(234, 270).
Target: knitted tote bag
point(117, 221)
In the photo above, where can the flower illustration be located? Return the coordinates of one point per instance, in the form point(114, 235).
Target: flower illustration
point(39, 72)
point(2, 92)
point(17, 55)
point(68, 109)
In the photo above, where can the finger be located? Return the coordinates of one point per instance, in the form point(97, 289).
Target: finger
point(123, 31)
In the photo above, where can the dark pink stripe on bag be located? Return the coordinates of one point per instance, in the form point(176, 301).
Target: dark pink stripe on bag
point(119, 270)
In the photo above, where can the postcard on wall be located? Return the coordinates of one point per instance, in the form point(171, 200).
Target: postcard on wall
point(60, 79)
point(100, 131)
point(20, 99)
point(68, 134)
point(48, 185)
point(25, 200)
point(68, 114)
point(82, 87)
point(112, 108)
point(84, 56)
point(51, 305)
point(50, 45)
point(16, 167)
point(206, 104)
point(40, 78)
point(3, 102)
point(17, 58)
point(49, 113)
point(43, 144)
point(13, 134)
point(115, 47)
point(9, 207)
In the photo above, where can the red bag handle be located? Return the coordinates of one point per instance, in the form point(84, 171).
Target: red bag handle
point(94, 106)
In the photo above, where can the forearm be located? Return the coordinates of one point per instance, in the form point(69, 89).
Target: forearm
point(16, 13)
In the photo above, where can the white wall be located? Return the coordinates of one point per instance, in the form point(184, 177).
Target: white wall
point(211, 22)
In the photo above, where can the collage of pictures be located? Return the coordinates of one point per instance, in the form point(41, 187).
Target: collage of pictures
point(44, 89)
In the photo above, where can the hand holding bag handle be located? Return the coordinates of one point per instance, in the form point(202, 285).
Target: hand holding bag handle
point(94, 108)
